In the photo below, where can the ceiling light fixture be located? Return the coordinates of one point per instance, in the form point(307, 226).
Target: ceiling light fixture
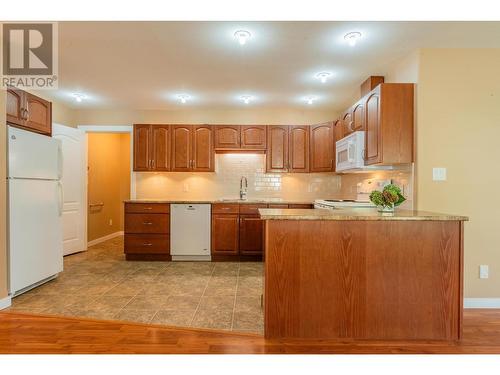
point(323, 76)
point(183, 98)
point(352, 37)
point(242, 36)
point(310, 99)
point(246, 98)
point(79, 97)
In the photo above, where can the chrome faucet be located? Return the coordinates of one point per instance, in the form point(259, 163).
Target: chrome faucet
point(243, 188)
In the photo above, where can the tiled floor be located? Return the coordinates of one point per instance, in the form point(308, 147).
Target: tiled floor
point(99, 283)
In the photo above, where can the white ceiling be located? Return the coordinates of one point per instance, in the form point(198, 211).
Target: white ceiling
point(143, 65)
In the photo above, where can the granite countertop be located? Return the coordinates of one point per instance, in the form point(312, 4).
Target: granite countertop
point(246, 201)
point(355, 214)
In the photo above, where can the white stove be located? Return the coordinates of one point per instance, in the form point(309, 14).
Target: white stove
point(339, 203)
point(363, 190)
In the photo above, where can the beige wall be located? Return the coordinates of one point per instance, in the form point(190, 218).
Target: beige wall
point(108, 181)
point(3, 197)
point(204, 116)
point(459, 128)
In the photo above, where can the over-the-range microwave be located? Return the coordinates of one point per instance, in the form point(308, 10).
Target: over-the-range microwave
point(350, 152)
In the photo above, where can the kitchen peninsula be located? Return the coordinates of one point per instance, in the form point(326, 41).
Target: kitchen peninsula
point(357, 274)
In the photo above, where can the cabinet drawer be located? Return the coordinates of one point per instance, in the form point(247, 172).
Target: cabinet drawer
point(301, 205)
point(223, 208)
point(278, 206)
point(147, 223)
point(147, 244)
point(251, 209)
point(151, 208)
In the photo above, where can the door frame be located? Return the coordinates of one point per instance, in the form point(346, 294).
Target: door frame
point(84, 190)
point(108, 129)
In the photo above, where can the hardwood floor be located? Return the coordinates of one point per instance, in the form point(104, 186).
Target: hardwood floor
point(28, 333)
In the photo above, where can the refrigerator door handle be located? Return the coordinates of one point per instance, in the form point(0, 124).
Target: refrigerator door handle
point(60, 199)
point(60, 160)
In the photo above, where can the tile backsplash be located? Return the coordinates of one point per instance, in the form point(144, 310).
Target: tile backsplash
point(225, 182)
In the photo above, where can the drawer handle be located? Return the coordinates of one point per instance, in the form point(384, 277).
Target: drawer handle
point(147, 244)
point(147, 223)
point(225, 208)
point(148, 208)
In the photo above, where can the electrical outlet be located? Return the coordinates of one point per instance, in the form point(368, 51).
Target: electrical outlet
point(110, 222)
point(484, 271)
point(185, 187)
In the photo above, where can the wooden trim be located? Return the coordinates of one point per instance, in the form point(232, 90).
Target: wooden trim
point(105, 238)
point(5, 302)
point(148, 257)
point(238, 151)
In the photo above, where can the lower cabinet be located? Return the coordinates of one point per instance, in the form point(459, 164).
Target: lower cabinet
point(251, 235)
point(225, 234)
point(147, 231)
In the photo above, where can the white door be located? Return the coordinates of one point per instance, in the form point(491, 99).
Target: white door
point(74, 220)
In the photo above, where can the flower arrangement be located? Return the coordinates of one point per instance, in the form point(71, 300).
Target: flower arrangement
point(388, 198)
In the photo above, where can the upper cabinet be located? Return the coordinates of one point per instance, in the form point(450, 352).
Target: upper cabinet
point(358, 116)
point(151, 147)
point(240, 137)
point(253, 137)
point(29, 112)
point(347, 122)
point(227, 136)
point(298, 149)
point(177, 148)
point(389, 124)
point(322, 149)
point(277, 152)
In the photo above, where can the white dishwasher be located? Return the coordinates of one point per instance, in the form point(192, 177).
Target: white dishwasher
point(190, 232)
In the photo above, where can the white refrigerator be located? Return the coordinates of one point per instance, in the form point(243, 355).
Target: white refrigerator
point(34, 209)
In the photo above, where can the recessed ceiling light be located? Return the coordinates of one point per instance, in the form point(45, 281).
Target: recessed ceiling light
point(310, 99)
point(323, 76)
point(183, 98)
point(246, 98)
point(79, 97)
point(242, 36)
point(352, 37)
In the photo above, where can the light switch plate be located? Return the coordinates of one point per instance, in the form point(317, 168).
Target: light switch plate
point(484, 271)
point(439, 174)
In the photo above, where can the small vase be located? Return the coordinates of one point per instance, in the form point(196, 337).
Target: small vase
point(386, 209)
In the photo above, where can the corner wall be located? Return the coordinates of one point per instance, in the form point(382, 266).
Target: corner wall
point(459, 129)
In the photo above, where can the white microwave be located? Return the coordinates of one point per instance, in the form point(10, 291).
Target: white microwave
point(349, 152)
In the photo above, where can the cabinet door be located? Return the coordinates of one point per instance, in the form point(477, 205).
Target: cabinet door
point(277, 152)
point(227, 136)
point(254, 137)
point(372, 135)
point(225, 234)
point(181, 148)
point(160, 136)
point(339, 130)
point(358, 116)
point(38, 114)
point(203, 149)
point(322, 148)
point(251, 234)
point(15, 107)
point(142, 147)
point(299, 149)
point(348, 123)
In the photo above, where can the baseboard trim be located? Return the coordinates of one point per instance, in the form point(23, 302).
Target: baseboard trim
point(105, 238)
point(5, 302)
point(482, 303)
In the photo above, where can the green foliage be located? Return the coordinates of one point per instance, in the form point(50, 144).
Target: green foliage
point(390, 196)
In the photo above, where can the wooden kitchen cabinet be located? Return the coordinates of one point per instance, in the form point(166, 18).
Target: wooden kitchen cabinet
point(192, 148)
point(251, 235)
point(147, 231)
point(227, 136)
point(347, 122)
point(358, 116)
point(28, 111)
point(277, 159)
point(389, 124)
point(322, 155)
point(225, 234)
point(151, 147)
point(298, 149)
point(253, 137)
point(339, 130)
